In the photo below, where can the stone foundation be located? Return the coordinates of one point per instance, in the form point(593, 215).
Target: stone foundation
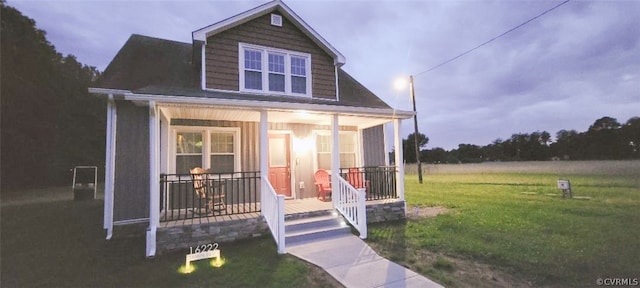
point(184, 236)
point(386, 211)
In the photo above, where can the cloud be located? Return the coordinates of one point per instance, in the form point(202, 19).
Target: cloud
point(563, 70)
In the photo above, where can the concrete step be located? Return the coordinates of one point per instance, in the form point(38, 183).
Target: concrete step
point(295, 216)
point(317, 234)
point(310, 223)
point(303, 230)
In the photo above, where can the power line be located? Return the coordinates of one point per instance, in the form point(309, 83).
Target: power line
point(491, 40)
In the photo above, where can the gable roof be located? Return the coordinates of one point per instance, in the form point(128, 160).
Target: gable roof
point(277, 5)
point(153, 66)
point(144, 61)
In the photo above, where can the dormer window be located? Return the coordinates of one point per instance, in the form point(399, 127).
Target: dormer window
point(274, 71)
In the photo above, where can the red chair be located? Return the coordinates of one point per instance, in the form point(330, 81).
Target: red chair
point(323, 184)
point(356, 179)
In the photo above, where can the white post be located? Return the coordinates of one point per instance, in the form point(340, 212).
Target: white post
point(280, 209)
point(110, 163)
point(154, 178)
point(264, 153)
point(362, 213)
point(335, 159)
point(398, 158)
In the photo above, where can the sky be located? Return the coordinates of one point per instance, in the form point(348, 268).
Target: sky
point(563, 70)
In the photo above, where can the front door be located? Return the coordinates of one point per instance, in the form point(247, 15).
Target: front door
point(279, 164)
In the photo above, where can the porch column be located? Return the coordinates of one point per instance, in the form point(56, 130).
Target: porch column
point(264, 153)
point(154, 178)
point(335, 158)
point(398, 158)
point(110, 163)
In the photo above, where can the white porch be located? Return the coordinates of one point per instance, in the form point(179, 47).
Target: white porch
point(345, 198)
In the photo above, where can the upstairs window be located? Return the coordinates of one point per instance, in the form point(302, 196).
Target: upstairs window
point(298, 75)
point(274, 71)
point(253, 69)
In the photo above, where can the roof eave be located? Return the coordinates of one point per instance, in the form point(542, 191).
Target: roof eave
point(253, 104)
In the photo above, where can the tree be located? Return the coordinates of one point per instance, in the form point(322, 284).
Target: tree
point(409, 149)
point(49, 122)
point(631, 136)
point(604, 123)
point(435, 155)
point(604, 140)
point(566, 145)
point(468, 153)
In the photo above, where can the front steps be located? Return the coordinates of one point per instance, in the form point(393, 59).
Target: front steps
point(314, 226)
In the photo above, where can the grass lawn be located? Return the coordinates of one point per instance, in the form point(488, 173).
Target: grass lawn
point(60, 243)
point(509, 222)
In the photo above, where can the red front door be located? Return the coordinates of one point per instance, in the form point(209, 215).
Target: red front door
point(279, 164)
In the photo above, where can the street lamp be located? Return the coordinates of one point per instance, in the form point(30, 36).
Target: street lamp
point(415, 123)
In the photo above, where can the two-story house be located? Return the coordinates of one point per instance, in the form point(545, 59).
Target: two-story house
point(260, 102)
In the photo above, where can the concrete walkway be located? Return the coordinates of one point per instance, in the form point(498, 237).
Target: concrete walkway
point(354, 264)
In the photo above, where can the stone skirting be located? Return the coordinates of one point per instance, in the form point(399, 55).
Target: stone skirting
point(386, 211)
point(177, 237)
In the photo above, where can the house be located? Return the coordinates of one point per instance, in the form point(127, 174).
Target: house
point(261, 101)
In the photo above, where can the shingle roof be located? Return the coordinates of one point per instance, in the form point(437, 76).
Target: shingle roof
point(147, 65)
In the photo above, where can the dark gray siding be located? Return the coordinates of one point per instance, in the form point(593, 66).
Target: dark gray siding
point(131, 187)
point(222, 54)
point(373, 145)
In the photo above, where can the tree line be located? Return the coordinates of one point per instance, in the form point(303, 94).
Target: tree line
point(606, 139)
point(49, 121)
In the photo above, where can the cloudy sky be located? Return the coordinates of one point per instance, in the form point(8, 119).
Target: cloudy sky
point(564, 70)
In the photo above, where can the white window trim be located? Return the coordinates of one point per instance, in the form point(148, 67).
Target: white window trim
point(206, 145)
point(357, 146)
point(265, 70)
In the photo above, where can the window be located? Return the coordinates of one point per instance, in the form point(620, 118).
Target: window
point(253, 69)
point(270, 70)
point(222, 152)
point(216, 149)
point(188, 151)
point(347, 150)
point(276, 72)
point(298, 75)
point(323, 146)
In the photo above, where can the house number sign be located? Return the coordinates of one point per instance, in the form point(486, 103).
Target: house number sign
point(205, 251)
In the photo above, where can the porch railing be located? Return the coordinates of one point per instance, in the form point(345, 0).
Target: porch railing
point(379, 182)
point(273, 212)
point(350, 202)
point(234, 193)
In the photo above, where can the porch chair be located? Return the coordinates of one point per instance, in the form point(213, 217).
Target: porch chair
point(323, 184)
point(206, 192)
point(357, 180)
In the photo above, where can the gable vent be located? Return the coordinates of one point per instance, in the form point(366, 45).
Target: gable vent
point(276, 20)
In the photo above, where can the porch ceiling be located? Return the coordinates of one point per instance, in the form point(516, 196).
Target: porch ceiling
point(292, 116)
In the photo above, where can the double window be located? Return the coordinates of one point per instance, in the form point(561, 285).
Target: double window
point(347, 150)
point(213, 149)
point(274, 71)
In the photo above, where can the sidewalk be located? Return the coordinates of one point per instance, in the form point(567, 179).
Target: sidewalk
point(354, 264)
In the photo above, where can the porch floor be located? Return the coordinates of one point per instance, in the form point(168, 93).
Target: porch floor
point(294, 206)
point(291, 206)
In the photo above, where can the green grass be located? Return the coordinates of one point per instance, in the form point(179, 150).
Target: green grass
point(541, 238)
point(61, 244)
